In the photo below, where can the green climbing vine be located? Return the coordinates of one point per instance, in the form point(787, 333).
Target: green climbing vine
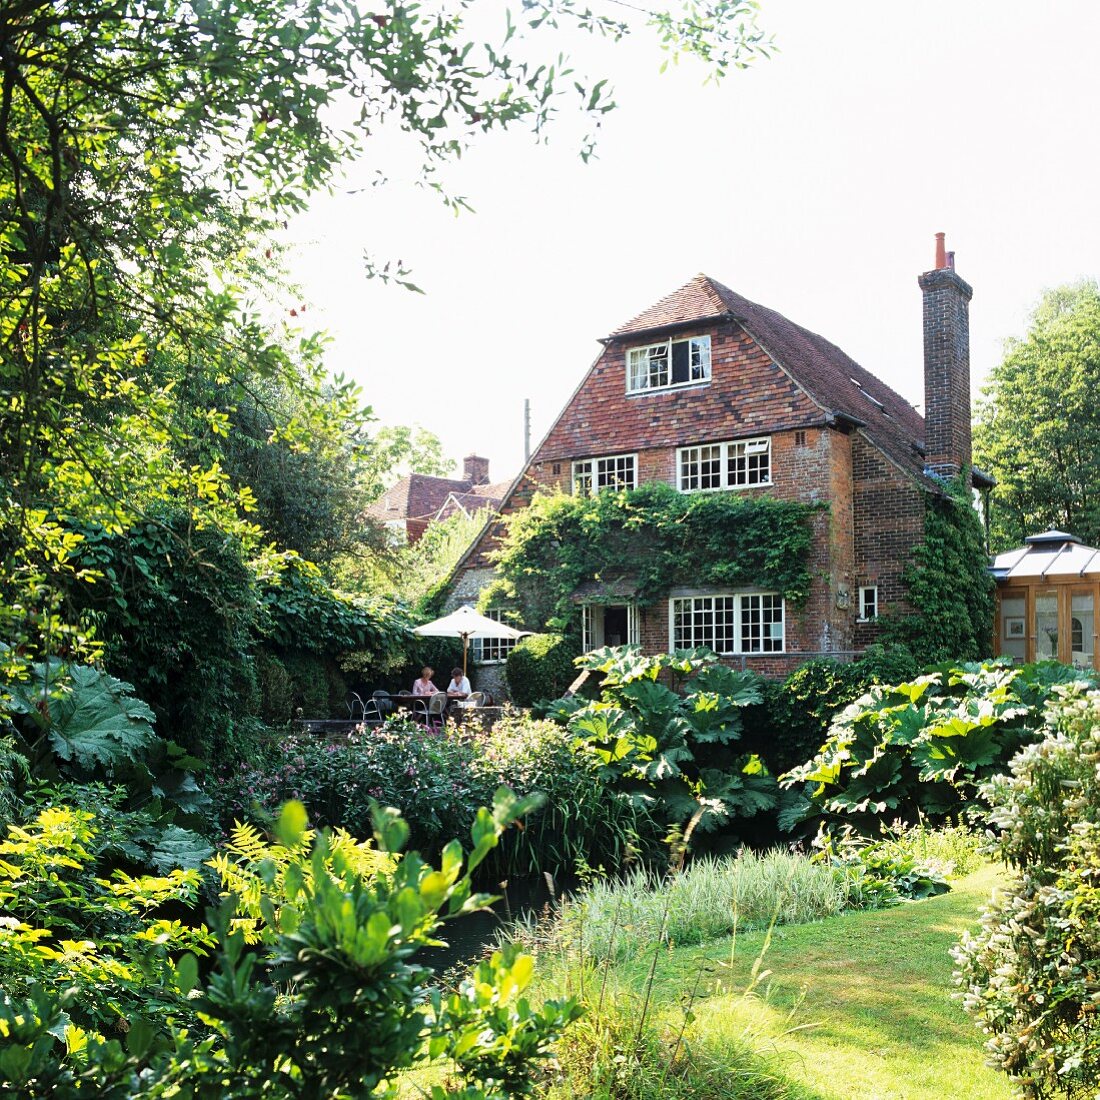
point(651, 540)
point(949, 584)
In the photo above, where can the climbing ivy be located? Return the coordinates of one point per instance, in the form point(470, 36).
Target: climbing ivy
point(650, 539)
point(949, 584)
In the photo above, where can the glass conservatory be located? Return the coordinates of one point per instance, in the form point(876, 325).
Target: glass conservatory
point(1047, 596)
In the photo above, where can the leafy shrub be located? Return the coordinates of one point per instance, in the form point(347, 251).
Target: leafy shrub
point(74, 722)
point(879, 873)
point(329, 999)
point(1029, 974)
point(792, 722)
point(669, 746)
point(540, 667)
point(276, 693)
point(76, 921)
point(926, 746)
point(438, 782)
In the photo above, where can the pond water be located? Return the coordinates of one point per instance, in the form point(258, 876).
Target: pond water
point(470, 936)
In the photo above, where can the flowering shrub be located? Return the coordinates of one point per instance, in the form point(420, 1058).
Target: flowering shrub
point(1030, 973)
point(438, 781)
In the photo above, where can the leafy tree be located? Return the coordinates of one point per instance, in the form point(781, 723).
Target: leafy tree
point(148, 148)
point(411, 450)
point(1038, 425)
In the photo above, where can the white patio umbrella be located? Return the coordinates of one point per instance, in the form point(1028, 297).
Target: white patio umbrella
point(466, 623)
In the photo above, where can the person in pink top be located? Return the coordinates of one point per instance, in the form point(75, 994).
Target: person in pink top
point(424, 685)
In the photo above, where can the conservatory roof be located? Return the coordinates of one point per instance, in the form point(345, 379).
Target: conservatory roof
point(1050, 554)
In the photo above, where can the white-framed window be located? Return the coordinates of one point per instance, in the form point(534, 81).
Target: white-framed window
point(868, 603)
point(668, 363)
point(613, 472)
point(728, 623)
point(492, 651)
point(733, 465)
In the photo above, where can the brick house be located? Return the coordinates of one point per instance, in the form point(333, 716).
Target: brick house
point(409, 506)
point(706, 390)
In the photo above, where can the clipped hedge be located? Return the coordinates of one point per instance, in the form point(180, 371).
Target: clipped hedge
point(540, 667)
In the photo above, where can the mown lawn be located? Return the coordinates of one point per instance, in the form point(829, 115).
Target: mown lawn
point(869, 995)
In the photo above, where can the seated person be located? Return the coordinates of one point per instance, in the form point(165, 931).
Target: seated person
point(459, 687)
point(424, 685)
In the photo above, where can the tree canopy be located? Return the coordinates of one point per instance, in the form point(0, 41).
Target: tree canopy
point(1038, 425)
point(159, 393)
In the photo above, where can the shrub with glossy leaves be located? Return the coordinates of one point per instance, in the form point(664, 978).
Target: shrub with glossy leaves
point(317, 987)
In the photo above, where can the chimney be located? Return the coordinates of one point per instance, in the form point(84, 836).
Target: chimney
point(475, 470)
point(946, 365)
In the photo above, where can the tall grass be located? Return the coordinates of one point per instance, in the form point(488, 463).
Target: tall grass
point(709, 898)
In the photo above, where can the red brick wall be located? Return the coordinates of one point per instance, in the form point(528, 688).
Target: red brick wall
point(889, 523)
point(874, 515)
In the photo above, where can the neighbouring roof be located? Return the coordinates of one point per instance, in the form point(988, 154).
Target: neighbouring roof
point(830, 376)
point(1047, 555)
point(422, 497)
point(480, 496)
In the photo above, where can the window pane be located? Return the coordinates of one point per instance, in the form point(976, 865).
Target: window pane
point(1014, 627)
point(1046, 627)
point(615, 473)
point(710, 467)
point(689, 469)
point(1082, 629)
point(750, 462)
point(700, 358)
point(582, 478)
point(680, 371)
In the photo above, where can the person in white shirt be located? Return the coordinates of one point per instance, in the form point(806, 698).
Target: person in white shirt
point(459, 687)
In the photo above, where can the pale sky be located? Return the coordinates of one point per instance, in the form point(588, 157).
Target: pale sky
point(812, 183)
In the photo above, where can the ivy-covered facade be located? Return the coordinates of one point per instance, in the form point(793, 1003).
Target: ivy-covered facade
point(723, 477)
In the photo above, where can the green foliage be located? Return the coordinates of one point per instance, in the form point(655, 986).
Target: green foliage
point(335, 931)
point(1037, 428)
point(669, 746)
point(439, 782)
point(948, 583)
point(926, 746)
point(654, 537)
point(540, 667)
point(76, 722)
point(793, 721)
point(1029, 973)
point(74, 923)
point(421, 570)
point(878, 873)
point(620, 918)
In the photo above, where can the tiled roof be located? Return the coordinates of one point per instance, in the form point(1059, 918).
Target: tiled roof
point(421, 496)
point(481, 496)
point(824, 371)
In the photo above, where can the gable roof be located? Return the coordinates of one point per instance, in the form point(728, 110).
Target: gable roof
point(828, 375)
point(423, 496)
point(480, 496)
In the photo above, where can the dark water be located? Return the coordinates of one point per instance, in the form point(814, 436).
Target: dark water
point(469, 937)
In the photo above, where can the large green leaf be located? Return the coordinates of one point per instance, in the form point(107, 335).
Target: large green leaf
point(97, 722)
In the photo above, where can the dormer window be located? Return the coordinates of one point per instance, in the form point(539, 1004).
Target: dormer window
point(667, 364)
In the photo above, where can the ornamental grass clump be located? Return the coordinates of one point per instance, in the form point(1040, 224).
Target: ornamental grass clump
point(709, 898)
point(1030, 974)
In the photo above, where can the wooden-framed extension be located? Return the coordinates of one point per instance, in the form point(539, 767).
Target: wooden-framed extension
point(1048, 596)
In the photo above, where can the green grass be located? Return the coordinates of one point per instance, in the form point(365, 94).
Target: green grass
point(869, 994)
